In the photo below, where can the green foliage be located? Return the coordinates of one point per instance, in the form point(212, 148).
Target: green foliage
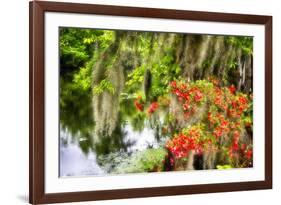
point(149, 160)
point(78, 45)
point(135, 79)
point(103, 86)
point(75, 106)
point(82, 79)
point(245, 43)
point(163, 72)
point(79, 51)
point(152, 159)
point(224, 166)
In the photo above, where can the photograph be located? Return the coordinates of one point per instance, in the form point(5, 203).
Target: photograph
point(132, 102)
point(140, 101)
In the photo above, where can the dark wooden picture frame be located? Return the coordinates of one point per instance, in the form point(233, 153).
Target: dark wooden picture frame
point(37, 99)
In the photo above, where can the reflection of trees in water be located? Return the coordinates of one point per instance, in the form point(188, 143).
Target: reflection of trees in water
point(76, 116)
point(82, 130)
point(129, 115)
point(115, 142)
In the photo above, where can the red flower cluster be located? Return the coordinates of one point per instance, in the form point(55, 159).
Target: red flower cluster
point(189, 96)
point(220, 98)
point(243, 151)
point(220, 124)
point(183, 143)
point(249, 154)
point(225, 118)
point(239, 104)
point(232, 89)
point(235, 140)
point(138, 104)
point(153, 106)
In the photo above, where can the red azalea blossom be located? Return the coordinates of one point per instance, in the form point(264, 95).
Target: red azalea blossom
point(249, 154)
point(234, 104)
point(177, 92)
point(243, 147)
point(186, 115)
point(138, 105)
point(198, 96)
point(236, 134)
point(224, 123)
point(224, 120)
point(183, 86)
point(182, 144)
point(235, 147)
point(180, 99)
point(218, 132)
point(232, 89)
point(186, 106)
point(153, 106)
point(189, 96)
point(173, 84)
point(243, 100)
point(211, 118)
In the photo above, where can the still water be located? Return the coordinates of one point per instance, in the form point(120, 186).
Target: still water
point(74, 161)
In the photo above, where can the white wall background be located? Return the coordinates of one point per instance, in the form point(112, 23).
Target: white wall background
point(14, 100)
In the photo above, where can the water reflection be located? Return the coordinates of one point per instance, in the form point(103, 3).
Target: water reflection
point(74, 162)
point(143, 140)
point(85, 152)
point(105, 155)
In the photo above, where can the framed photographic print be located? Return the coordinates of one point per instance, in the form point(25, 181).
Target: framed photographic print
point(139, 102)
